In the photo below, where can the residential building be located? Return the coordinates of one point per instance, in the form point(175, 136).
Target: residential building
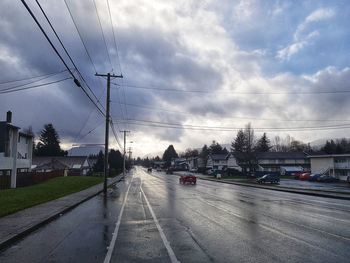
point(337, 165)
point(222, 162)
point(273, 161)
point(16, 150)
point(78, 165)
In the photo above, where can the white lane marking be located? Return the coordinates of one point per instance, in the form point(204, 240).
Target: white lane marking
point(171, 253)
point(115, 233)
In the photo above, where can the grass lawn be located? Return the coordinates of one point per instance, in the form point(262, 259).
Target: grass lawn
point(13, 200)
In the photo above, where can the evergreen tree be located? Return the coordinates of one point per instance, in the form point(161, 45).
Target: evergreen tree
point(169, 154)
point(99, 165)
point(115, 161)
point(263, 144)
point(238, 144)
point(49, 143)
point(216, 148)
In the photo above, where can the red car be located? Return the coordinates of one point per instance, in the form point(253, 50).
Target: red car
point(189, 178)
point(304, 176)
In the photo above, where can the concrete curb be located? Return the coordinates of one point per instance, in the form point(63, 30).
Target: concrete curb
point(5, 244)
point(320, 193)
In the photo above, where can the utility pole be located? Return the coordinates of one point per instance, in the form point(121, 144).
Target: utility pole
point(124, 150)
point(105, 172)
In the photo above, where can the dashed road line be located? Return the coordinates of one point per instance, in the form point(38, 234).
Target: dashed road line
point(115, 233)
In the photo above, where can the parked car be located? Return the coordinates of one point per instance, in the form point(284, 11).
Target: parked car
point(297, 175)
point(188, 178)
point(314, 177)
point(159, 169)
point(327, 179)
point(304, 176)
point(268, 178)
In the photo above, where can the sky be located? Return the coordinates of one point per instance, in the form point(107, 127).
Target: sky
point(283, 66)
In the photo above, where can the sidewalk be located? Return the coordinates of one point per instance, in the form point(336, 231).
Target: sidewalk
point(314, 192)
point(17, 225)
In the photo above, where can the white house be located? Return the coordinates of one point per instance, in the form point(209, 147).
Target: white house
point(222, 162)
point(336, 165)
point(16, 149)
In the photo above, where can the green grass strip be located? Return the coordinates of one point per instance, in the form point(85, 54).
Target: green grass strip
point(13, 200)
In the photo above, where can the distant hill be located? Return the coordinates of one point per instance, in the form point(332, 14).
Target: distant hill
point(85, 150)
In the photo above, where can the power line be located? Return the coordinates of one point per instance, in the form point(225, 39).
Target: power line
point(35, 86)
point(50, 42)
point(34, 77)
point(103, 35)
point(86, 134)
point(76, 81)
point(34, 81)
point(80, 36)
point(66, 51)
point(236, 92)
point(114, 37)
point(235, 117)
point(200, 127)
point(115, 134)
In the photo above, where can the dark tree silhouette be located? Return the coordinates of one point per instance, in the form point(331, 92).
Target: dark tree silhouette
point(49, 143)
point(169, 154)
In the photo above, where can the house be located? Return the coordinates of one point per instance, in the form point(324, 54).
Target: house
point(16, 150)
point(180, 164)
point(77, 165)
point(222, 162)
point(159, 164)
point(336, 165)
point(192, 163)
point(272, 162)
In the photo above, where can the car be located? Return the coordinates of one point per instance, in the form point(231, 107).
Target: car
point(193, 170)
point(169, 171)
point(187, 178)
point(348, 179)
point(297, 175)
point(314, 177)
point(268, 178)
point(149, 170)
point(304, 176)
point(327, 179)
point(159, 169)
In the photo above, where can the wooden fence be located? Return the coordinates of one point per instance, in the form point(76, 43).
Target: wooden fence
point(31, 178)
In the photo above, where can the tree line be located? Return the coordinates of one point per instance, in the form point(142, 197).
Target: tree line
point(246, 146)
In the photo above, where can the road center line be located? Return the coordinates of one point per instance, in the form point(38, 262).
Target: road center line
point(162, 235)
point(115, 233)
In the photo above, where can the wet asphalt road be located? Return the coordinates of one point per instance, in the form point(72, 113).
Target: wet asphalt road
point(163, 221)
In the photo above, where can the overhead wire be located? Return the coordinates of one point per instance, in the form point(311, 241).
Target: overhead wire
point(223, 128)
point(76, 81)
point(67, 53)
point(236, 92)
point(33, 77)
point(103, 35)
point(35, 86)
point(236, 117)
point(34, 81)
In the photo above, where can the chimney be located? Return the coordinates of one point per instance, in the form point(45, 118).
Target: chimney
point(9, 117)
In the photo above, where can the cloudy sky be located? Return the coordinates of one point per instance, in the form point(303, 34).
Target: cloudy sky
point(281, 65)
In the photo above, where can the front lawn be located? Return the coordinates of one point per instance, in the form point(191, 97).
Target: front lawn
point(13, 200)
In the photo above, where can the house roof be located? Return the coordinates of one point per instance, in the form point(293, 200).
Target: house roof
point(23, 134)
point(9, 125)
point(281, 155)
point(219, 156)
point(325, 155)
point(61, 162)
